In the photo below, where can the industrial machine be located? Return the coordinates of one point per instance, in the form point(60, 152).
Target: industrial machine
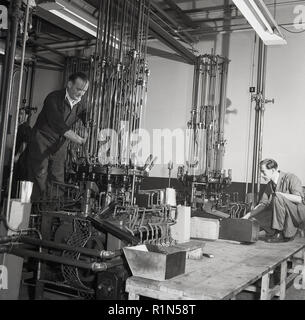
point(203, 174)
point(76, 235)
point(84, 224)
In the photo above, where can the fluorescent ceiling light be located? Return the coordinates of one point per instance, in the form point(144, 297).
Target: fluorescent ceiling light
point(261, 20)
point(73, 15)
point(79, 24)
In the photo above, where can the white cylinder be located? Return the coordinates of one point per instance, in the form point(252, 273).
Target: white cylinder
point(26, 191)
point(170, 197)
point(161, 197)
point(181, 230)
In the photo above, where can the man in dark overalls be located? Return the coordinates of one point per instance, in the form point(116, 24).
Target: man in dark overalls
point(281, 209)
point(52, 132)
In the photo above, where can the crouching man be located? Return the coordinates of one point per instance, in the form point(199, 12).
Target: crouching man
point(281, 210)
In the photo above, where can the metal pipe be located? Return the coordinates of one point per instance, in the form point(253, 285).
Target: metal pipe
point(261, 122)
point(232, 7)
point(40, 66)
point(7, 88)
point(186, 19)
point(256, 126)
point(166, 38)
point(62, 246)
point(259, 111)
point(18, 106)
point(47, 48)
point(33, 74)
point(66, 45)
point(49, 60)
point(222, 114)
point(173, 22)
point(7, 239)
point(94, 266)
point(106, 226)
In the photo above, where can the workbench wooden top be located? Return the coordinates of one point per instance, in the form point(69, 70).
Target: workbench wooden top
point(234, 267)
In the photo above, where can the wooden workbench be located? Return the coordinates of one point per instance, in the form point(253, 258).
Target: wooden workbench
point(234, 268)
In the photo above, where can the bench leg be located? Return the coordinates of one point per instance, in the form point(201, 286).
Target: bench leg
point(265, 287)
point(283, 280)
point(133, 296)
point(303, 271)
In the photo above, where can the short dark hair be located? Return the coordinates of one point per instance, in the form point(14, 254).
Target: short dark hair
point(76, 75)
point(269, 163)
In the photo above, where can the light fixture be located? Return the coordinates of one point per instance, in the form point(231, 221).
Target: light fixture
point(261, 20)
point(71, 14)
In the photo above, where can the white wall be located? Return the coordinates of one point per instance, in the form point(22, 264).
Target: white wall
point(169, 102)
point(170, 95)
point(237, 119)
point(284, 129)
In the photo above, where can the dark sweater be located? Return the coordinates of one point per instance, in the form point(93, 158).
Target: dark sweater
point(56, 116)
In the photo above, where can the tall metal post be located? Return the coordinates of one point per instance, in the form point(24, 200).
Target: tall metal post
point(7, 81)
point(25, 34)
point(259, 99)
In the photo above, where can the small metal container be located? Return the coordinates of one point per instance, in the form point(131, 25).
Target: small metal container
point(155, 262)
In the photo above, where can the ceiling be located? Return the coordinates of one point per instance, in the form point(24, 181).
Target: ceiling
point(179, 24)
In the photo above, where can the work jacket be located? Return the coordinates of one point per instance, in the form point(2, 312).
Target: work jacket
point(55, 118)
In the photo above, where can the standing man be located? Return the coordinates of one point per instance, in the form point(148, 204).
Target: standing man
point(52, 132)
point(281, 209)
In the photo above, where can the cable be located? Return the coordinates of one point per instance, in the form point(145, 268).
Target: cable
point(292, 31)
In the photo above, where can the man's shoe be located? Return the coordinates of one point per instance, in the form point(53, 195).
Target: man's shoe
point(278, 237)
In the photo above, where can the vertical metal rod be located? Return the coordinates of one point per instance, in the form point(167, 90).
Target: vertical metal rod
point(121, 74)
point(259, 111)
point(33, 74)
point(25, 31)
point(262, 111)
point(223, 102)
point(10, 52)
point(216, 112)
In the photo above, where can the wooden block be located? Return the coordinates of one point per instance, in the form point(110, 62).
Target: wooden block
point(242, 230)
point(204, 228)
point(193, 248)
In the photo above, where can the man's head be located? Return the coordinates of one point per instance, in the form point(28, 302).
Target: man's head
point(77, 85)
point(268, 168)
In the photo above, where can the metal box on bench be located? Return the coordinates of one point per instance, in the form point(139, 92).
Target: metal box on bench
point(242, 230)
point(155, 262)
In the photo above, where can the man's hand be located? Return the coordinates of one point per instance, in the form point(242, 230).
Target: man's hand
point(247, 215)
point(71, 135)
